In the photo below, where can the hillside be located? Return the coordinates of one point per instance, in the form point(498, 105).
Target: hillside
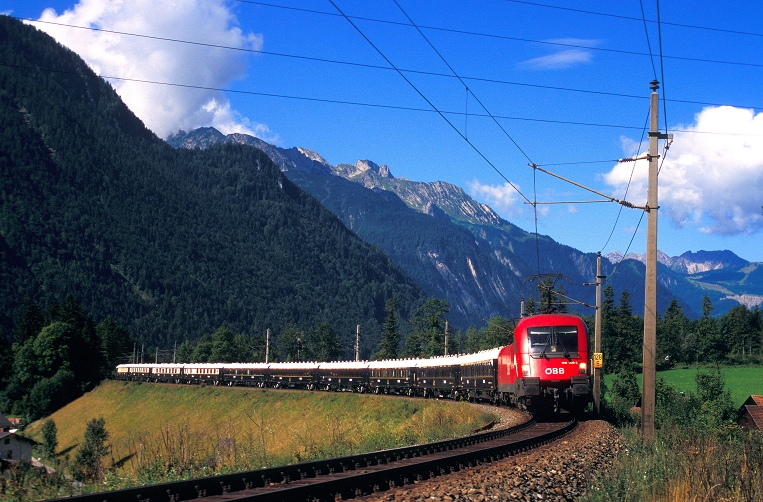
point(172, 243)
point(270, 427)
point(451, 245)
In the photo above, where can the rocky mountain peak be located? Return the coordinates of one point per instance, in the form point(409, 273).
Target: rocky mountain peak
point(203, 137)
point(314, 156)
point(688, 262)
point(364, 166)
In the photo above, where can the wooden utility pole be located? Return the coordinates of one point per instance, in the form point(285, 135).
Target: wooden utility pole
point(597, 338)
point(267, 345)
point(446, 337)
point(650, 298)
point(357, 343)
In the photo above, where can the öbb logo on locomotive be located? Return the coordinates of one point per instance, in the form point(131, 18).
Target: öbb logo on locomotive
point(546, 368)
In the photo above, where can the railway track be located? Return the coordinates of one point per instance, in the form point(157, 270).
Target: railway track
point(351, 476)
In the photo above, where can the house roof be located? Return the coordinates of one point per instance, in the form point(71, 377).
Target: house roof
point(4, 422)
point(754, 400)
point(756, 415)
point(18, 437)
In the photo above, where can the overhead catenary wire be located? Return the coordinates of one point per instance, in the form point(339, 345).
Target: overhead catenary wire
point(472, 145)
point(462, 81)
point(662, 68)
point(506, 37)
point(662, 162)
point(648, 43)
point(372, 105)
point(627, 187)
point(380, 67)
point(630, 18)
point(484, 107)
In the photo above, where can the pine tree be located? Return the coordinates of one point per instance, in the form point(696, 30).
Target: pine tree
point(49, 439)
point(548, 297)
point(709, 345)
point(88, 458)
point(29, 322)
point(323, 343)
point(562, 307)
point(390, 335)
point(530, 306)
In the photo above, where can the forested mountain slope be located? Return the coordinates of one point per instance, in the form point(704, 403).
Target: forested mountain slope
point(172, 243)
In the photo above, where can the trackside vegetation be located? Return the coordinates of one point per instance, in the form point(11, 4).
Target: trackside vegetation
point(698, 453)
point(149, 433)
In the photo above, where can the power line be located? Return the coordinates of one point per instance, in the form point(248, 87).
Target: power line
point(474, 147)
point(380, 67)
point(648, 43)
point(609, 277)
point(535, 207)
point(620, 16)
point(506, 37)
point(462, 82)
point(628, 186)
point(369, 105)
point(662, 68)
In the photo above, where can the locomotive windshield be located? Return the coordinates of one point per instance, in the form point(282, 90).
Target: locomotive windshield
point(553, 341)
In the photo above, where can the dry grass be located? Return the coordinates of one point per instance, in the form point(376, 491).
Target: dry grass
point(686, 466)
point(162, 432)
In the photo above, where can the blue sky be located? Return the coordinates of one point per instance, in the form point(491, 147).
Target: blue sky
point(298, 66)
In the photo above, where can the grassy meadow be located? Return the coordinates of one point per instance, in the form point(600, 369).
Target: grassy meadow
point(742, 381)
point(162, 432)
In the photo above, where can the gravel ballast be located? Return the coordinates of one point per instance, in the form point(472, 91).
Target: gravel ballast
point(560, 471)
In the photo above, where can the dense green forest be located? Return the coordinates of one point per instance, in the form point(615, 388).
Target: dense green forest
point(59, 353)
point(172, 243)
point(735, 337)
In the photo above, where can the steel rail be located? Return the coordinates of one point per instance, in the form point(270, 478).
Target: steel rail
point(349, 476)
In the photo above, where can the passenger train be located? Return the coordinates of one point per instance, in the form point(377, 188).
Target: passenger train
point(545, 369)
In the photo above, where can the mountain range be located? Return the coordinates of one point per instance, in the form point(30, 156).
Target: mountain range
point(457, 248)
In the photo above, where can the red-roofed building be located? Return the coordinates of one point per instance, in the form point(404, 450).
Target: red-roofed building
point(751, 413)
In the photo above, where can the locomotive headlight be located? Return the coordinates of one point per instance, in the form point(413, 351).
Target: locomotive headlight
point(582, 368)
point(525, 370)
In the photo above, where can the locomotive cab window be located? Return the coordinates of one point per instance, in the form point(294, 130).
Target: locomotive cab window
point(553, 341)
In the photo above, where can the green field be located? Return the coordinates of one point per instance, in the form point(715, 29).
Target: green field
point(742, 381)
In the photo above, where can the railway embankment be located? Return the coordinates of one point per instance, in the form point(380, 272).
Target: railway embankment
point(160, 432)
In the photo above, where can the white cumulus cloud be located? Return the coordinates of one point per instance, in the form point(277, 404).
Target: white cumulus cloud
point(164, 109)
point(712, 179)
point(502, 198)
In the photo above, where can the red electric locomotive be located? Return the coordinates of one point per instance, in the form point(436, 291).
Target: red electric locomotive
point(546, 368)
